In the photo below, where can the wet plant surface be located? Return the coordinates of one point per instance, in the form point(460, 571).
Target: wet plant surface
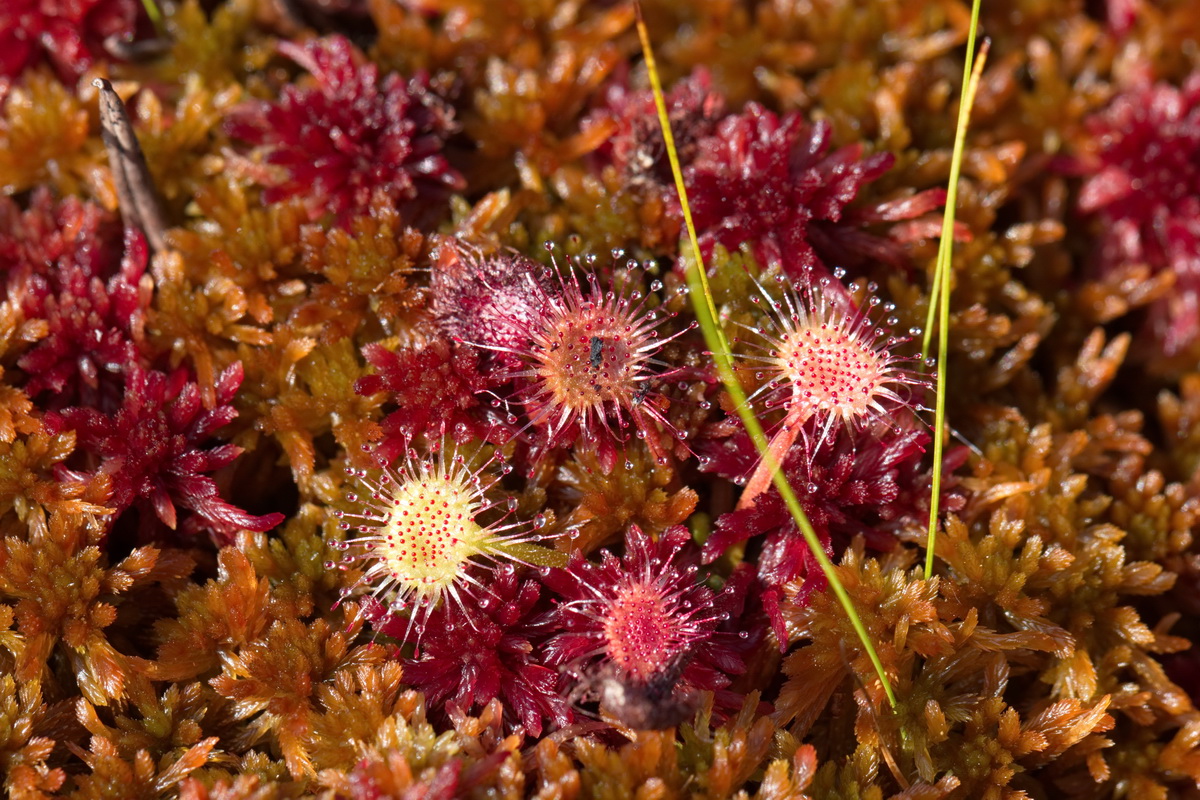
point(364, 444)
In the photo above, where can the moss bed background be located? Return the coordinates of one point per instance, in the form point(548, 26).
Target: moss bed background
point(344, 259)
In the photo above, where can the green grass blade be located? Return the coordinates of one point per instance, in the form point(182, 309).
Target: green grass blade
point(714, 338)
point(156, 17)
point(946, 246)
point(939, 298)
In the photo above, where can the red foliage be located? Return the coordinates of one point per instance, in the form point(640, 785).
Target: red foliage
point(152, 450)
point(481, 649)
point(1121, 15)
point(435, 388)
point(347, 136)
point(94, 327)
point(1145, 193)
point(69, 34)
point(51, 233)
point(770, 182)
point(65, 269)
point(636, 145)
point(850, 485)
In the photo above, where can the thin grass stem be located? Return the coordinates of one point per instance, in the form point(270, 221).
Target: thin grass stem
point(940, 294)
point(155, 15)
point(714, 337)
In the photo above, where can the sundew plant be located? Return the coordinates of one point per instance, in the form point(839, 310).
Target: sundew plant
point(439, 398)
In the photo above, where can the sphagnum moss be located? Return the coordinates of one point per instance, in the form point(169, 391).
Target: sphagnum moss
point(375, 276)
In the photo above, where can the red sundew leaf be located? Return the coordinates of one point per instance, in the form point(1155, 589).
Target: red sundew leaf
point(489, 300)
point(646, 614)
point(586, 362)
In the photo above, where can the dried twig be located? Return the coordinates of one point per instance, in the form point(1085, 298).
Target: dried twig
point(135, 191)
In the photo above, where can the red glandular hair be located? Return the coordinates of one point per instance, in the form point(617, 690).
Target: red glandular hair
point(583, 359)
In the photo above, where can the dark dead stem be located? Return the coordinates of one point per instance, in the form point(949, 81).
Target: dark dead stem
point(135, 190)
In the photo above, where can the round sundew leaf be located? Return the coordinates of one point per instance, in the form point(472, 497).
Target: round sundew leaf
point(420, 534)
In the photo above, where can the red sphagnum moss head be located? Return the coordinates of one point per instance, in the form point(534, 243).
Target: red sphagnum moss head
point(636, 147)
point(872, 486)
point(64, 269)
point(69, 35)
point(348, 135)
point(423, 532)
point(1145, 194)
point(94, 328)
point(156, 449)
point(769, 181)
point(485, 648)
point(436, 386)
